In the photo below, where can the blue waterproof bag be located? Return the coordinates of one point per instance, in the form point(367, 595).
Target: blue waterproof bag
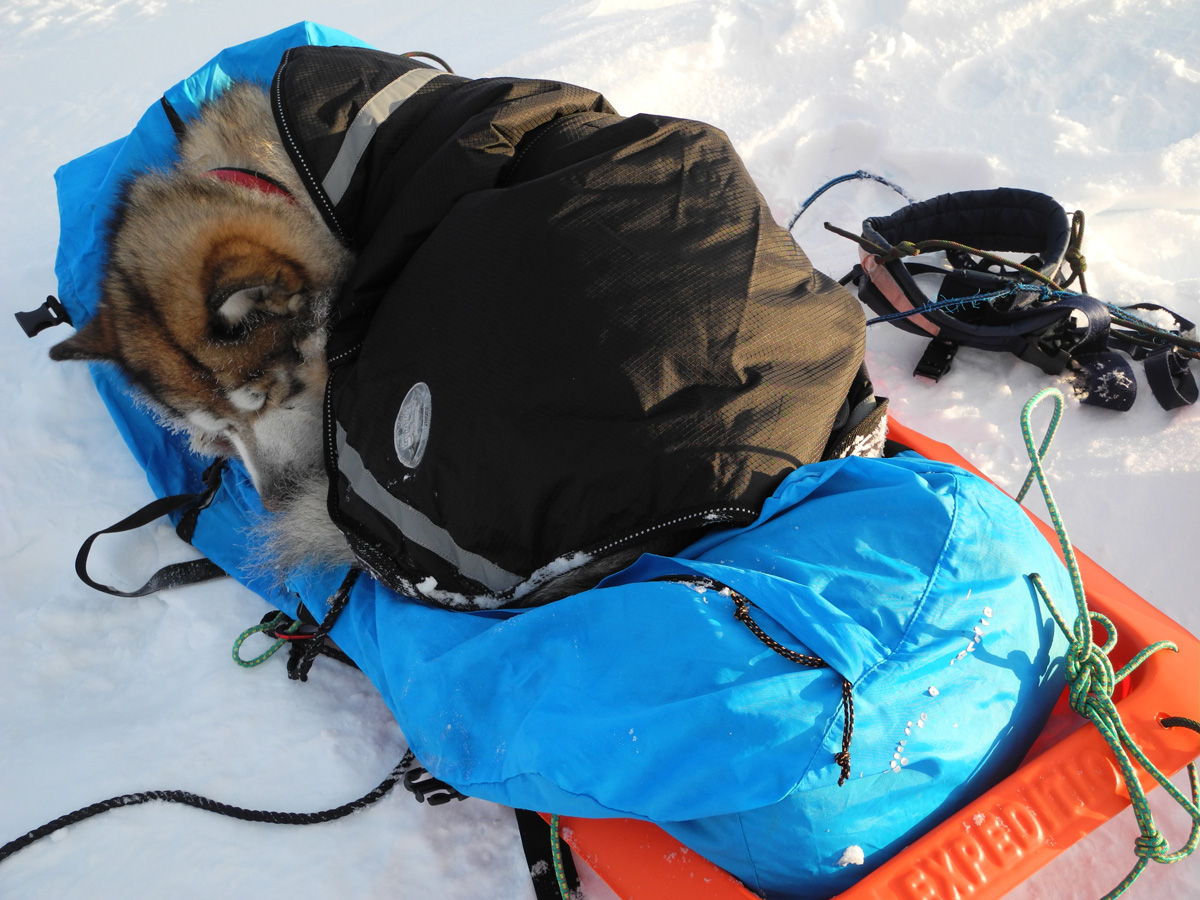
point(648, 698)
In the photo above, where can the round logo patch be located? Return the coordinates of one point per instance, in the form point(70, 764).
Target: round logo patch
point(411, 433)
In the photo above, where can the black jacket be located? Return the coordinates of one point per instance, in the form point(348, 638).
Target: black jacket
point(565, 331)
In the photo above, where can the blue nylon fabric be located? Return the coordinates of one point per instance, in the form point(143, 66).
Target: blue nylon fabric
point(648, 699)
point(88, 189)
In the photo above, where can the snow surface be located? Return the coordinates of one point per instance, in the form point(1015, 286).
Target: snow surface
point(1096, 102)
point(852, 857)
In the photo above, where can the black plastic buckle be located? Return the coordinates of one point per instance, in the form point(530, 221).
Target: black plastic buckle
point(935, 361)
point(49, 314)
point(427, 789)
point(1052, 362)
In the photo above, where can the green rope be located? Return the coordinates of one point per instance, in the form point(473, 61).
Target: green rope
point(270, 651)
point(1074, 256)
point(1091, 679)
point(910, 248)
point(556, 854)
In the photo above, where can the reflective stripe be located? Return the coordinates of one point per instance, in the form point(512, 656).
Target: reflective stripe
point(415, 525)
point(366, 123)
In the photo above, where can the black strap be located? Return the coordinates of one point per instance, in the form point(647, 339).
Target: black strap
point(1105, 379)
point(177, 123)
point(537, 840)
point(193, 571)
point(1173, 383)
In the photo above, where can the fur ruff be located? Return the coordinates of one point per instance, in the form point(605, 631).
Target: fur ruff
point(215, 302)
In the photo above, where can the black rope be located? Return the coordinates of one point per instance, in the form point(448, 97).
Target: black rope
point(302, 654)
point(742, 614)
point(297, 651)
point(224, 809)
point(1181, 722)
point(843, 758)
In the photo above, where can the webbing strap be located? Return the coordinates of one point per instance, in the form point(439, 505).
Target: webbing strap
point(1075, 331)
point(177, 124)
point(174, 575)
point(538, 841)
point(1106, 380)
point(1170, 379)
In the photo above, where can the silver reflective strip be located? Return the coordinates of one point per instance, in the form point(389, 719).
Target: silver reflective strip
point(415, 525)
point(366, 123)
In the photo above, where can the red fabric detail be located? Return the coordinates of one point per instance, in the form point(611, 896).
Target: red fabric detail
point(250, 180)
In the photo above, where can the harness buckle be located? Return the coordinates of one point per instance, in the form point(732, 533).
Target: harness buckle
point(1052, 361)
point(935, 361)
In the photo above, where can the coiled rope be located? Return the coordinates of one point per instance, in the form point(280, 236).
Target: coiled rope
point(1091, 678)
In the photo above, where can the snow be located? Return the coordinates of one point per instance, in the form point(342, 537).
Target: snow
point(1092, 101)
point(853, 856)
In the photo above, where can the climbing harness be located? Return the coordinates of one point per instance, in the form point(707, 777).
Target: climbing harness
point(1091, 678)
point(987, 301)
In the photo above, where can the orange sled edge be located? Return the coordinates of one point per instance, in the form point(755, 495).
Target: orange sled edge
point(1068, 785)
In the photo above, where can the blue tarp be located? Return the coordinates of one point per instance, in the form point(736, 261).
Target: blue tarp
point(648, 699)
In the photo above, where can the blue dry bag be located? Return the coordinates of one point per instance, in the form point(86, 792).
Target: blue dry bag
point(648, 698)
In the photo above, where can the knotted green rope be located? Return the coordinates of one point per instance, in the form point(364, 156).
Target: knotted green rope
point(270, 651)
point(1091, 679)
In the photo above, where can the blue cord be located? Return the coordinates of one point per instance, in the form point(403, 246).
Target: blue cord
point(955, 303)
point(860, 175)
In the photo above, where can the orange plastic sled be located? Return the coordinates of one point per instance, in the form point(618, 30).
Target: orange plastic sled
point(1068, 785)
